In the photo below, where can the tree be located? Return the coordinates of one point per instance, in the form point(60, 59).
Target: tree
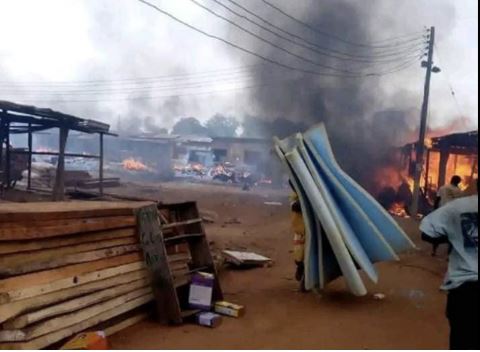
point(222, 126)
point(189, 126)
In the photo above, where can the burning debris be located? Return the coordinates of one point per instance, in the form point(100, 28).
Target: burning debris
point(132, 164)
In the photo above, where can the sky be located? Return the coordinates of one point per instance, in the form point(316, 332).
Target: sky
point(46, 45)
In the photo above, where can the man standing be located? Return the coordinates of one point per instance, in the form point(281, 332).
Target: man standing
point(457, 223)
point(449, 192)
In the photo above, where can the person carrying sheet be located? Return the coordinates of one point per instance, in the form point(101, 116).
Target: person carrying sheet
point(457, 223)
point(298, 227)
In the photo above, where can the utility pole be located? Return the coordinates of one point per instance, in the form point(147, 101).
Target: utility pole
point(423, 124)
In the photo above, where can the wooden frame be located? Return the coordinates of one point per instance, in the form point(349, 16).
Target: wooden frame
point(23, 119)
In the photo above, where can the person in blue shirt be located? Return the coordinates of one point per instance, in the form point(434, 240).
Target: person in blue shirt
point(457, 224)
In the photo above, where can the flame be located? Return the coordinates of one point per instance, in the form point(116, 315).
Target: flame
point(134, 165)
point(398, 209)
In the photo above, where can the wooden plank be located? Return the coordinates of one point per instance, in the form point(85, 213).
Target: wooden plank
point(30, 285)
point(68, 259)
point(180, 238)
point(24, 320)
point(16, 259)
point(41, 211)
point(55, 324)
point(181, 257)
point(51, 228)
point(151, 239)
point(13, 309)
point(181, 224)
point(139, 317)
point(63, 241)
point(120, 322)
point(49, 339)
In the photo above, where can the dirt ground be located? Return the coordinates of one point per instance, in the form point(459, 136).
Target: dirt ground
point(278, 316)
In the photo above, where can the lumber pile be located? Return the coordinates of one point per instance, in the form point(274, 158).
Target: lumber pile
point(70, 266)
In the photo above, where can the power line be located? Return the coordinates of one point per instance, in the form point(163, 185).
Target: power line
point(238, 47)
point(449, 84)
point(135, 81)
point(323, 51)
point(330, 35)
point(150, 96)
point(193, 94)
point(123, 90)
point(278, 47)
point(394, 46)
point(147, 85)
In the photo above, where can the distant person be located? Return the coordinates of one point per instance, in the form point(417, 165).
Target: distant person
point(449, 192)
point(457, 223)
point(298, 227)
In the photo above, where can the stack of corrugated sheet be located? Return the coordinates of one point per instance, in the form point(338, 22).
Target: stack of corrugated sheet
point(345, 227)
point(66, 267)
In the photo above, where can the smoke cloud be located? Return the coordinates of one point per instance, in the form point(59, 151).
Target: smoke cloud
point(363, 116)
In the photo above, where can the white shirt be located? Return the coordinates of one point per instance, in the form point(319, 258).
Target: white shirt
point(458, 221)
point(448, 193)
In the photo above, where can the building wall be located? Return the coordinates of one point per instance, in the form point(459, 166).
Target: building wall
point(242, 152)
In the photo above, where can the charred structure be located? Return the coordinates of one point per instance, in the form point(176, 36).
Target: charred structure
point(24, 119)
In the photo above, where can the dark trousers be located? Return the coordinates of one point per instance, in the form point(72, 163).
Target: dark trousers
point(463, 315)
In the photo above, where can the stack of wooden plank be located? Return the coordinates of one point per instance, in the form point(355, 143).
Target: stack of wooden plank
point(69, 266)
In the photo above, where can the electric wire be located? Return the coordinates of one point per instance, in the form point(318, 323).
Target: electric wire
point(449, 84)
point(323, 49)
point(245, 50)
point(330, 35)
point(291, 53)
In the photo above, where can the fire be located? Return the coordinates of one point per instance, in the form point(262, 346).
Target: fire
point(134, 165)
point(398, 209)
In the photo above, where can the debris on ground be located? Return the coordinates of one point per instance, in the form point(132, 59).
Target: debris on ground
point(379, 296)
point(232, 221)
point(229, 309)
point(245, 258)
point(275, 204)
point(209, 216)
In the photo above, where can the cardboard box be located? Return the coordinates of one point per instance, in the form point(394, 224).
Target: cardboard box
point(209, 319)
point(201, 291)
point(229, 309)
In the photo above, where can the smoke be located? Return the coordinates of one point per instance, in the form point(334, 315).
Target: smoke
point(362, 116)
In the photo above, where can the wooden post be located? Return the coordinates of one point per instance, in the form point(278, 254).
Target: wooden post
point(30, 147)
point(100, 166)
point(423, 127)
point(2, 139)
point(427, 171)
point(442, 174)
point(7, 155)
point(59, 188)
point(156, 259)
point(474, 168)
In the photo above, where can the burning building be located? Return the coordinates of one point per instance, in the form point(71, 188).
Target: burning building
point(449, 155)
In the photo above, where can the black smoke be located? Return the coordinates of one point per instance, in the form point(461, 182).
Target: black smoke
point(362, 125)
